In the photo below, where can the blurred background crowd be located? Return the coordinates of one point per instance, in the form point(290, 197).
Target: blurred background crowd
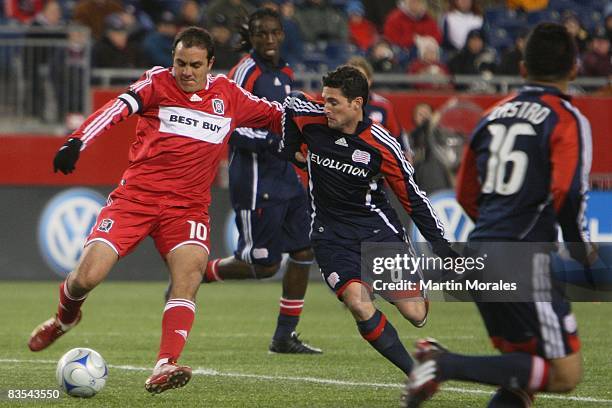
point(437, 38)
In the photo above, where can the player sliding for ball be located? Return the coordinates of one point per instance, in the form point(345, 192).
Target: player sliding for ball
point(186, 117)
point(348, 160)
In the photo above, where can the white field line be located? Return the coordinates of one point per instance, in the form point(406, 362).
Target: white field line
point(315, 380)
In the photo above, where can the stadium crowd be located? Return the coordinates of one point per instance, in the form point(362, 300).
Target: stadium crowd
point(438, 38)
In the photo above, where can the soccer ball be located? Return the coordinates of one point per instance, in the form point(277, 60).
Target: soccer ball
point(81, 372)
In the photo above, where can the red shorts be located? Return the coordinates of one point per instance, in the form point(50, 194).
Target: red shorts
point(122, 224)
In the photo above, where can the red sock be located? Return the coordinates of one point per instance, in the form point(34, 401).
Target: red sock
point(176, 324)
point(69, 306)
point(211, 274)
point(291, 307)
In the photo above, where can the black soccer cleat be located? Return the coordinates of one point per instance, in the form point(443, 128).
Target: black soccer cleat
point(292, 345)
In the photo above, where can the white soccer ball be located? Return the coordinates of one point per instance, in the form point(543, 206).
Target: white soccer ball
point(81, 372)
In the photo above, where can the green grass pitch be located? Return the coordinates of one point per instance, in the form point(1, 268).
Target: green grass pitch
point(228, 349)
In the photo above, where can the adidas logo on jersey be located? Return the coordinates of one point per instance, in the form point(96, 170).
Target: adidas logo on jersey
point(195, 98)
point(342, 142)
point(277, 82)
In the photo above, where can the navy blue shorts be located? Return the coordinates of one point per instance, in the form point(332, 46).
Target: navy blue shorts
point(545, 329)
point(340, 262)
point(266, 233)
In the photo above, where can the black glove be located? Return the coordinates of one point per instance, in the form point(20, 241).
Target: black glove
point(67, 156)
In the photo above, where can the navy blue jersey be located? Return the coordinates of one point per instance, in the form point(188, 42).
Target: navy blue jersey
point(526, 169)
point(347, 174)
point(258, 178)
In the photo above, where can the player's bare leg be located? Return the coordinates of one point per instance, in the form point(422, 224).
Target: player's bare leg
point(97, 260)
point(295, 283)
point(186, 264)
point(374, 326)
point(565, 373)
point(231, 268)
point(413, 310)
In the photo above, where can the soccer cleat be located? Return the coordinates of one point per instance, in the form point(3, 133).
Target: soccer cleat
point(168, 376)
point(292, 345)
point(424, 380)
point(48, 331)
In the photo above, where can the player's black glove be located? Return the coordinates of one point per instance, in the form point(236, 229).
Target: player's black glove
point(67, 156)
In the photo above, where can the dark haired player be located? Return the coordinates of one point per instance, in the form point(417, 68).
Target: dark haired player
point(186, 116)
point(348, 159)
point(526, 169)
point(267, 195)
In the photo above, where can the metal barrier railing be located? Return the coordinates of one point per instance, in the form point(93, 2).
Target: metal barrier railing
point(44, 78)
point(309, 81)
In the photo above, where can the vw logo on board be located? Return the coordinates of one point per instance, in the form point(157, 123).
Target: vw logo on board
point(65, 223)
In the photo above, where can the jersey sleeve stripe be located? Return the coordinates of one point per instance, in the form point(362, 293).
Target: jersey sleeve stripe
point(241, 72)
point(383, 134)
point(392, 144)
point(102, 121)
point(136, 87)
point(251, 133)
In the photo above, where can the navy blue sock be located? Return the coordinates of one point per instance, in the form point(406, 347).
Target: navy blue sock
point(285, 325)
point(379, 332)
point(510, 399)
point(512, 371)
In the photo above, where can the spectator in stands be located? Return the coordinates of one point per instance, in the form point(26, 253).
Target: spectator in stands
point(378, 10)
point(319, 21)
point(22, 11)
point(50, 16)
point(608, 20)
point(114, 50)
point(190, 14)
point(596, 62)
point(382, 58)
point(226, 55)
point(474, 58)
point(428, 63)
point(362, 31)
point(430, 172)
point(462, 17)
point(510, 60)
point(573, 25)
point(234, 11)
point(409, 20)
point(158, 45)
point(92, 14)
point(293, 46)
point(527, 5)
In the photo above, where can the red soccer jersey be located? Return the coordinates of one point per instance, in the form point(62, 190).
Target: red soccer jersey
point(180, 136)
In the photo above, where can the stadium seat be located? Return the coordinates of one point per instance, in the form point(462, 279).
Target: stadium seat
point(543, 15)
point(501, 17)
point(500, 39)
point(562, 5)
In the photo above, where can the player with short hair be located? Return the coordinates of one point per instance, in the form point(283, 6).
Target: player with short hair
point(267, 195)
point(348, 158)
point(548, 143)
point(186, 117)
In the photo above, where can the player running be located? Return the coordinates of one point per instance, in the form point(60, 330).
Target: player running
point(526, 169)
point(186, 116)
point(348, 158)
point(267, 195)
